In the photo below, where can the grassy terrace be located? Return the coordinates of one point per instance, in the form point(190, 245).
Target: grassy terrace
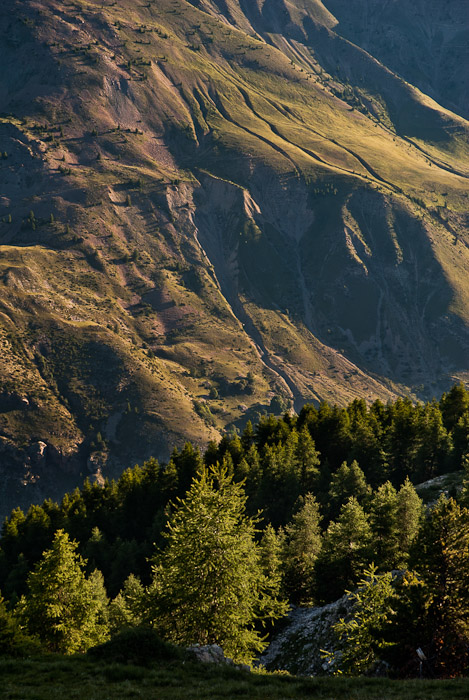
point(53, 677)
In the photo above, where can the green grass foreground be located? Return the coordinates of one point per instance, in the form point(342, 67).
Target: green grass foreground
point(51, 677)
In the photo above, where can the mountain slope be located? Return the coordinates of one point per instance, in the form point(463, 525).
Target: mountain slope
point(209, 204)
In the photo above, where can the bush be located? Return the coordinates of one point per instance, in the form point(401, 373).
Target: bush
point(13, 641)
point(137, 645)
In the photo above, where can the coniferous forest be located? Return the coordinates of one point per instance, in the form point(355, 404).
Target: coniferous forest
point(234, 271)
point(215, 547)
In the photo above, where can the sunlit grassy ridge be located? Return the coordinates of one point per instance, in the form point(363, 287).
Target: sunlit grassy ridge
point(207, 191)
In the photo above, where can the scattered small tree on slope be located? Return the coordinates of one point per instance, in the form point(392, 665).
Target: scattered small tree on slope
point(209, 586)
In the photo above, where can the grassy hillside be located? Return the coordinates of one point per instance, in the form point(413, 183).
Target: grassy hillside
point(207, 204)
point(52, 677)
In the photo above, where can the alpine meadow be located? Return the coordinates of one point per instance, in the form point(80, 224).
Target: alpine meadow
point(234, 252)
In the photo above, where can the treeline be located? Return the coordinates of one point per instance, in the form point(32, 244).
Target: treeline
point(280, 461)
point(309, 501)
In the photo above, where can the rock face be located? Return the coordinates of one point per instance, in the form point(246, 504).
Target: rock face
point(212, 654)
point(223, 195)
point(298, 647)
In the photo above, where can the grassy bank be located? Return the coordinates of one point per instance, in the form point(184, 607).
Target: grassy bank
point(53, 677)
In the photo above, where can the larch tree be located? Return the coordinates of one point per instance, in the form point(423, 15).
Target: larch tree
point(208, 584)
point(409, 517)
point(363, 635)
point(385, 527)
point(442, 560)
point(302, 544)
point(347, 481)
point(64, 609)
point(345, 551)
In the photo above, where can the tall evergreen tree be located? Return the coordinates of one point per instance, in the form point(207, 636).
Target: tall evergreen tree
point(385, 527)
point(345, 551)
point(363, 637)
point(270, 552)
point(435, 444)
point(348, 480)
point(128, 607)
point(460, 441)
point(208, 584)
point(442, 559)
point(63, 608)
point(453, 405)
point(409, 518)
point(300, 551)
point(309, 461)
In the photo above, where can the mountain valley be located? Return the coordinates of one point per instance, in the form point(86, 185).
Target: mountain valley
point(214, 208)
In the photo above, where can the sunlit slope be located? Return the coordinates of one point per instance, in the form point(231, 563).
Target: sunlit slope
point(206, 205)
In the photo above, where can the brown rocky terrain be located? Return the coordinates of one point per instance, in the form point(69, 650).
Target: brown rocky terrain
point(209, 205)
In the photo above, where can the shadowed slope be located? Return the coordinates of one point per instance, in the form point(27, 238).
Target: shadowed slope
point(211, 195)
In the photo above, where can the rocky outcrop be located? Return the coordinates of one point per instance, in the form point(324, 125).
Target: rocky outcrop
point(213, 654)
point(300, 645)
point(285, 208)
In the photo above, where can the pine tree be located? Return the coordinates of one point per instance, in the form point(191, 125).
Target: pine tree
point(208, 584)
point(460, 441)
point(367, 447)
point(435, 448)
point(63, 608)
point(403, 439)
point(453, 405)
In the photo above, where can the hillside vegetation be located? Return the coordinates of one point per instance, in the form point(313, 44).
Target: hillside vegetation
point(214, 548)
point(53, 677)
point(209, 206)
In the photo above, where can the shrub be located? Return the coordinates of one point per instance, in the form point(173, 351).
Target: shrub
point(138, 645)
point(13, 641)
